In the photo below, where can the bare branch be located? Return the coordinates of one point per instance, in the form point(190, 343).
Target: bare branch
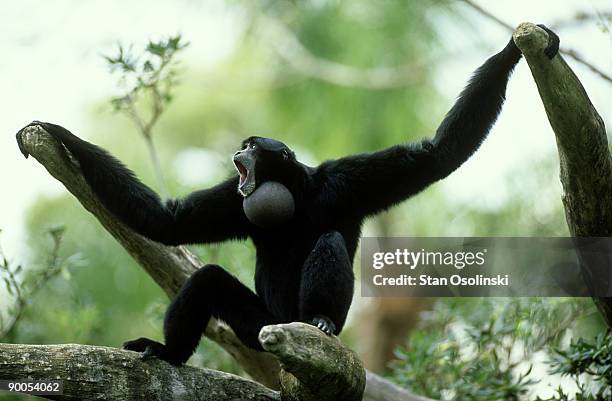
point(568, 52)
point(290, 49)
point(582, 17)
point(379, 389)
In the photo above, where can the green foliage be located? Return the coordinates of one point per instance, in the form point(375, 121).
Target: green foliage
point(23, 285)
point(101, 304)
point(151, 73)
point(589, 365)
point(483, 352)
point(149, 78)
point(333, 120)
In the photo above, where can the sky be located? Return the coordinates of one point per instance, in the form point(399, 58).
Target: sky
point(53, 71)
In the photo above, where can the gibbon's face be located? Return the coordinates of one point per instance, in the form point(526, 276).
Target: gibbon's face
point(263, 159)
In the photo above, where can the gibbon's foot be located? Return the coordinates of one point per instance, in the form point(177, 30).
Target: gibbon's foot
point(138, 345)
point(150, 349)
point(553, 42)
point(324, 324)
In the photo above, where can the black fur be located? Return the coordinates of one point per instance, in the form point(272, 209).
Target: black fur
point(304, 267)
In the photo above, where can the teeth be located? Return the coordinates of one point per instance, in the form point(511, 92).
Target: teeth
point(244, 173)
point(245, 166)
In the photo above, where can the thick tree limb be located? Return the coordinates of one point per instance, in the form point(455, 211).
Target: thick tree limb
point(380, 389)
point(586, 164)
point(170, 267)
point(308, 369)
point(315, 368)
point(101, 373)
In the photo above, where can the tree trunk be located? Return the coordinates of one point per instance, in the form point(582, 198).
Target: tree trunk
point(584, 156)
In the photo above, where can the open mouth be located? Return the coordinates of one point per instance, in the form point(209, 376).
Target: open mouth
point(244, 173)
point(245, 164)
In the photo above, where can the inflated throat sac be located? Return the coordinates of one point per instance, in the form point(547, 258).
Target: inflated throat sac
point(271, 204)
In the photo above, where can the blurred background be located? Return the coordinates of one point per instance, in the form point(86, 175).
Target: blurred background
point(329, 78)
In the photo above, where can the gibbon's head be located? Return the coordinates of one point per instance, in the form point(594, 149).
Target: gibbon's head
point(267, 169)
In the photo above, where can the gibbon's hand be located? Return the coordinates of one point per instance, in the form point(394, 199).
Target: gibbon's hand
point(553, 42)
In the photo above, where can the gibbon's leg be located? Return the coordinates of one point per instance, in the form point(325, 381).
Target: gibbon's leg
point(210, 291)
point(326, 289)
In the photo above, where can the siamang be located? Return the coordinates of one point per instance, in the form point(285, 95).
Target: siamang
point(304, 261)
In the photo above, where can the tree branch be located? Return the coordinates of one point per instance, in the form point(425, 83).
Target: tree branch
point(170, 267)
point(586, 164)
point(95, 373)
point(380, 389)
point(315, 368)
point(288, 46)
point(568, 52)
point(310, 371)
point(581, 17)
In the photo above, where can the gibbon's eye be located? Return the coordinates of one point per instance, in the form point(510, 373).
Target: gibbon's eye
point(285, 154)
point(248, 145)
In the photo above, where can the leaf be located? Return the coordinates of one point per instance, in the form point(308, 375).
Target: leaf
point(156, 49)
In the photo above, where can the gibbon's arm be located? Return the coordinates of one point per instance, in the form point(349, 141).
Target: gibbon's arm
point(209, 215)
point(369, 183)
